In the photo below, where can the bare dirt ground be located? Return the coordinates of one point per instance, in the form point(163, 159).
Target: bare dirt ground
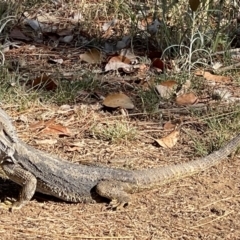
point(205, 206)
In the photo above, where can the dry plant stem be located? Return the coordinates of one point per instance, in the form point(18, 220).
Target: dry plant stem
point(197, 107)
point(228, 68)
point(235, 50)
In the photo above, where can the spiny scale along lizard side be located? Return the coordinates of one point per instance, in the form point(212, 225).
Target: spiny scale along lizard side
point(37, 171)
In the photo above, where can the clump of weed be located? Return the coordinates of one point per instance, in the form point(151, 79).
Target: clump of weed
point(115, 132)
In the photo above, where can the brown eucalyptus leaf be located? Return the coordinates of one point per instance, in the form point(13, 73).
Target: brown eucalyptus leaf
point(116, 100)
point(91, 56)
point(45, 81)
point(118, 62)
point(169, 126)
point(16, 33)
point(216, 78)
point(186, 99)
point(170, 140)
point(46, 141)
point(194, 4)
point(56, 129)
point(167, 88)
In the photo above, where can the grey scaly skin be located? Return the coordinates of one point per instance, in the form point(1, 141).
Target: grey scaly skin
point(9, 131)
point(7, 127)
point(37, 171)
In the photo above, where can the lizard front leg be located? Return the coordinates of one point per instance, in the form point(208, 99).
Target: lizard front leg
point(22, 177)
point(116, 191)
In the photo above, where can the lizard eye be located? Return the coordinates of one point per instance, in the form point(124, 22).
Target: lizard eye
point(7, 159)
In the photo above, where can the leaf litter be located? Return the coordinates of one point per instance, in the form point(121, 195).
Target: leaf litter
point(180, 204)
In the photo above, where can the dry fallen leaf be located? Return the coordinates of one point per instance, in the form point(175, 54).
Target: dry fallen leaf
point(46, 141)
point(161, 65)
point(213, 78)
point(18, 34)
point(216, 78)
point(194, 4)
point(158, 63)
point(186, 99)
point(169, 83)
point(91, 56)
point(50, 128)
point(44, 81)
point(118, 62)
point(128, 56)
point(170, 140)
point(169, 126)
point(56, 129)
point(59, 60)
point(167, 88)
point(116, 100)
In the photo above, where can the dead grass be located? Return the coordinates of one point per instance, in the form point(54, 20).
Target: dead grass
point(205, 206)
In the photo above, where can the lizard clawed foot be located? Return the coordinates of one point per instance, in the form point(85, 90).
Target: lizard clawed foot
point(116, 191)
point(6, 204)
point(117, 205)
point(16, 206)
point(11, 206)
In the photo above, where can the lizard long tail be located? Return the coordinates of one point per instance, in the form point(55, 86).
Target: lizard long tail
point(155, 177)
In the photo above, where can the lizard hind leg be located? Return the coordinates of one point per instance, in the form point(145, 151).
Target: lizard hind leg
point(116, 191)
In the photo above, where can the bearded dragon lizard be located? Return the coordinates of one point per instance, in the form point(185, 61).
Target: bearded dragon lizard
point(37, 171)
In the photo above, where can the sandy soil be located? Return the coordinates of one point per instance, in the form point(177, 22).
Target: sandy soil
point(204, 206)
